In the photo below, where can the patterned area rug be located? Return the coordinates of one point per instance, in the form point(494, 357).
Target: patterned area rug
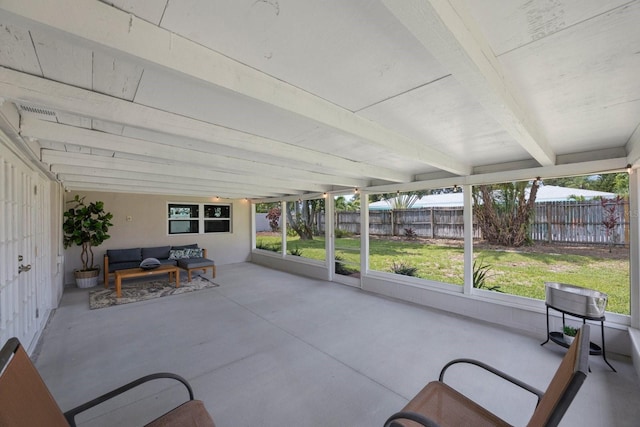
point(141, 291)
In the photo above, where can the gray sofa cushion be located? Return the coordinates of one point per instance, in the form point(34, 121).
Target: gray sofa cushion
point(123, 265)
point(195, 262)
point(159, 252)
point(124, 255)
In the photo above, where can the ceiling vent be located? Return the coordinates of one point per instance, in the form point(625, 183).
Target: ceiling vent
point(41, 112)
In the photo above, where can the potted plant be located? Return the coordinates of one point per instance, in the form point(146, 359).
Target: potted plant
point(86, 225)
point(569, 333)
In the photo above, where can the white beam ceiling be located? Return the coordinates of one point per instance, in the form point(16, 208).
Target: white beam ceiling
point(244, 99)
point(254, 185)
point(92, 139)
point(33, 90)
point(452, 36)
point(107, 27)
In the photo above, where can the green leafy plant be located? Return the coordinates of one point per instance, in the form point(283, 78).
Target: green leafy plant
point(341, 268)
point(403, 269)
point(274, 247)
point(296, 251)
point(86, 225)
point(480, 272)
point(569, 331)
point(342, 233)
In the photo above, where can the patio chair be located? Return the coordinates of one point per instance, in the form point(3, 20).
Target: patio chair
point(440, 405)
point(27, 402)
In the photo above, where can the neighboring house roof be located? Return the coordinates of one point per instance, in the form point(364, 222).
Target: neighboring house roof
point(546, 193)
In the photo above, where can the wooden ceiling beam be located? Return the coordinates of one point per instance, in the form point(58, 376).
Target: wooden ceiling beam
point(24, 88)
point(57, 159)
point(136, 189)
point(98, 25)
point(198, 187)
point(40, 129)
point(225, 181)
point(449, 33)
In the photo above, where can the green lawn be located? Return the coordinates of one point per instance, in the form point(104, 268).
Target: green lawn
point(515, 272)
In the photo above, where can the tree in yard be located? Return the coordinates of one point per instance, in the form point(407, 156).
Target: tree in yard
point(503, 211)
point(274, 217)
point(610, 182)
point(265, 207)
point(399, 200)
point(404, 200)
point(302, 217)
point(610, 220)
point(340, 203)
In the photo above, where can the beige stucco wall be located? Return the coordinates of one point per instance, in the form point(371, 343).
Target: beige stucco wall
point(148, 227)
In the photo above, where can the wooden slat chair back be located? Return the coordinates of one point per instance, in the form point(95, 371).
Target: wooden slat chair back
point(440, 405)
point(25, 400)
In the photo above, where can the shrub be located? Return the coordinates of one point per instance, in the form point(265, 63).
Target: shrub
point(343, 269)
point(404, 269)
point(296, 251)
point(341, 233)
point(274, 247)
point(410, 234)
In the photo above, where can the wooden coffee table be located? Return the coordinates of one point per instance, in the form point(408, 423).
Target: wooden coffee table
point(171, 270)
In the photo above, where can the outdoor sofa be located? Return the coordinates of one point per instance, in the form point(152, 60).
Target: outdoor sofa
point(187, 257)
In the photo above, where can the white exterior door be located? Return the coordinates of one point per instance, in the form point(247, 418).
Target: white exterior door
point(25, 293)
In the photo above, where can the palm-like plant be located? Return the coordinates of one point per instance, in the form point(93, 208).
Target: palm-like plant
point(480, 271)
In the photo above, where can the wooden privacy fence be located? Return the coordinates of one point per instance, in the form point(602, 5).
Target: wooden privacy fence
point(580, 222)
point(560, 222)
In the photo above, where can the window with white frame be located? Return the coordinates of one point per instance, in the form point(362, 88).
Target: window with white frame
point(198, 218)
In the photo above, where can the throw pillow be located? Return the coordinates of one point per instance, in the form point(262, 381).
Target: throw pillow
point(179, 253)
point(195, 253)
point(149, 264)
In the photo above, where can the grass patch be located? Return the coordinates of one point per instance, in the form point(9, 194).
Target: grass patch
point(515, 272)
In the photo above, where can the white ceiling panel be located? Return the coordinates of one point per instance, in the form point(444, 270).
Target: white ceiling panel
point(578, 83)
point(445, 111)
point(115, 77)
point(63, 61)
point(511, 24)
point(17, 50)
point(149, 10)
point(218, 106)
point(351, 53)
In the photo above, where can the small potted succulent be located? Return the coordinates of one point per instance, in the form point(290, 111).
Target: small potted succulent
point(569, 333)
point(86, 225)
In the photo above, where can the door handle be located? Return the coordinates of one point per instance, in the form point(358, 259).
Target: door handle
point(23, 268)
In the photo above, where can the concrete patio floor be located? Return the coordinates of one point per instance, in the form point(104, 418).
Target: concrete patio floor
point(268, 348)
